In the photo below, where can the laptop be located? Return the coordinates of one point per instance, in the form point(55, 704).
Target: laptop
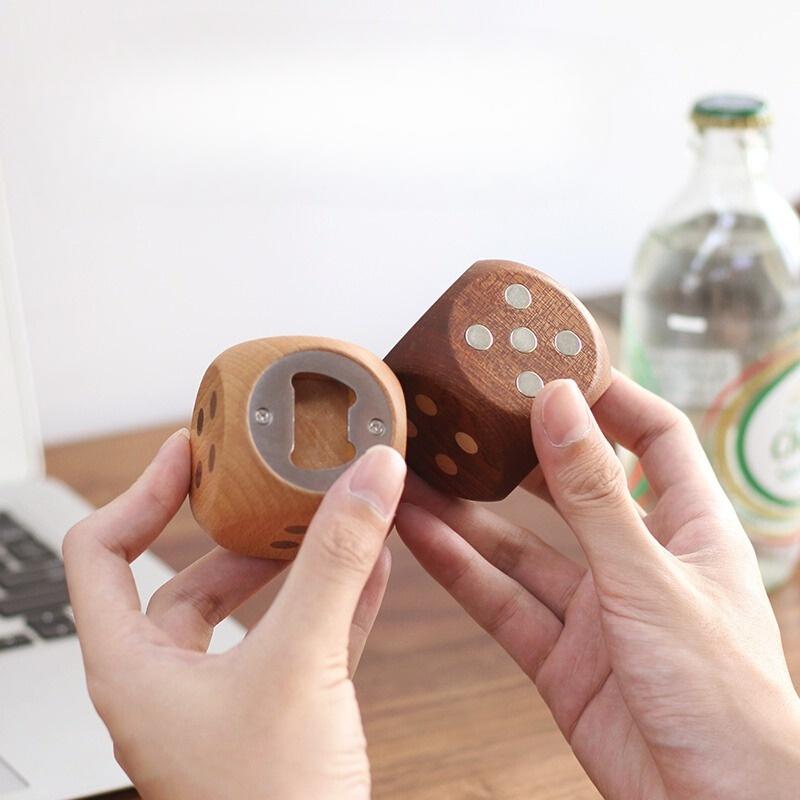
point(53, 745)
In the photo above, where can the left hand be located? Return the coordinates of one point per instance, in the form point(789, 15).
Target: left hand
point(276, 716)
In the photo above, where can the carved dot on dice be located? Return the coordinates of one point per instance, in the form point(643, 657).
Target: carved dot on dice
point(466, 443)
point(529, 383)
point(518, 296)
point(426, 405)
point(296, 528)
point(479, 337)
point(411, 429)
point(567, 343)
point(524, 340)
point(446, 464)
point(285, 544)
point(200, 420)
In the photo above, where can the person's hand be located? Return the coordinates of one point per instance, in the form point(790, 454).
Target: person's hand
point(276, 716)
point(662, 663)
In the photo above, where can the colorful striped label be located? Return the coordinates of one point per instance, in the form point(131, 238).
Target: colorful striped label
point(752, 435)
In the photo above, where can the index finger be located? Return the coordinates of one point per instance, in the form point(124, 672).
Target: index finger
point(658, 434)
point(98, 551)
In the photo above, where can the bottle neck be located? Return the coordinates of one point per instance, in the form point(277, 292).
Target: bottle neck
point(730, 163)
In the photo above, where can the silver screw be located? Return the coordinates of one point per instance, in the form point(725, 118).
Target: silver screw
point(263, 416)
point(376, 427)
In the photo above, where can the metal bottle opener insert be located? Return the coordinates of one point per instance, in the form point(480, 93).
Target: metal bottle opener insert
point(271, 413)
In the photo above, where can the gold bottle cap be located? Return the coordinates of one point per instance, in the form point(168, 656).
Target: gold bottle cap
point(730, 111)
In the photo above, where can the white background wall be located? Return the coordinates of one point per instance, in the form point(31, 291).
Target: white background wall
point(187, 174)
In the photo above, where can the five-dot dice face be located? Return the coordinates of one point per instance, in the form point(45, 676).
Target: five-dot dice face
point(471, 365)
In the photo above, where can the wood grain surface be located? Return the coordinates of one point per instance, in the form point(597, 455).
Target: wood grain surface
point(234, 489)
point(469, 420)
point(448, 715)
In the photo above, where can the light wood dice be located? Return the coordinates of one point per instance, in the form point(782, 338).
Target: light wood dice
point(472, 364)
point(275, 422)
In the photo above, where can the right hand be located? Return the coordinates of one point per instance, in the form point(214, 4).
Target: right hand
point(662, 662)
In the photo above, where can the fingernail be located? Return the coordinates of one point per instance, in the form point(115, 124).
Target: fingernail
point(378, 479)
point(564, 413)
point(184, 432)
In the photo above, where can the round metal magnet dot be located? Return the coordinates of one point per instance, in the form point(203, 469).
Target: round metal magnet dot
point(518, 296)
point(446, 464)
point(263, 416)
point(529, 383)
point(376, 427)
point(567, 343)
point(479, 337)
point(524, 340)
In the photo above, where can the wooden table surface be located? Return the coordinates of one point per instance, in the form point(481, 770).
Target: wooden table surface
point(447, 713)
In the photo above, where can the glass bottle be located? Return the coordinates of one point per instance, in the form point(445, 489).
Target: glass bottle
point(711, 322)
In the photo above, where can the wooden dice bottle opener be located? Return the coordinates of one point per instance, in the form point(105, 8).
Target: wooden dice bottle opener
point(470, 366)
point(275, 422)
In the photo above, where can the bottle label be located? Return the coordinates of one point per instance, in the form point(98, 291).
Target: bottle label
point(752, 436)
point(750, 428)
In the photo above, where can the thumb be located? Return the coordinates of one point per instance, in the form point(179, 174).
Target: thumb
point(588, 486)
point(315, 607)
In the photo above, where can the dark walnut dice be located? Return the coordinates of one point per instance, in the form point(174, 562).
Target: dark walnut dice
point(471, 365)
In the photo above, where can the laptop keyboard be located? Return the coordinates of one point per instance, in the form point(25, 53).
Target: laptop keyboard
point(33, 589)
